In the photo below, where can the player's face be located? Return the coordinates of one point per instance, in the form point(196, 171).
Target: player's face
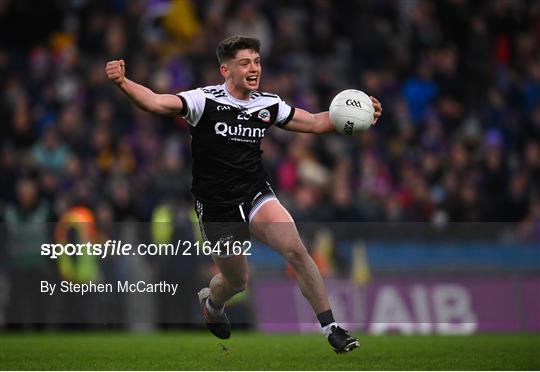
point(244, 71)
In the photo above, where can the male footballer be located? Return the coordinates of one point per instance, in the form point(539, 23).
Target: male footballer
point(234, 199)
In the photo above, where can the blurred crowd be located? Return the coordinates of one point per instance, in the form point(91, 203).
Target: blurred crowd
point(459, 81)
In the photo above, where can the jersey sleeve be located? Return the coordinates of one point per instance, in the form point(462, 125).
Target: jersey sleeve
point(193, 102)
point(285, 113)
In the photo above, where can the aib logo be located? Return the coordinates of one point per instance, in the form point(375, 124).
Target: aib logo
point(353, 102)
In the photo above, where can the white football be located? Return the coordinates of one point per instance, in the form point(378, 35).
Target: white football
point(351, 112)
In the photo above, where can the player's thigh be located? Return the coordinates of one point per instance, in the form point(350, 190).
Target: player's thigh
point(274, 226)
point(234, 268)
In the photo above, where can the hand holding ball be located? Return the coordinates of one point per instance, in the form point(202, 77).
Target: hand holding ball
point(351, 112)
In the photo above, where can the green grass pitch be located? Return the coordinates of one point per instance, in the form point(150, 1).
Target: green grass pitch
point(256, 351)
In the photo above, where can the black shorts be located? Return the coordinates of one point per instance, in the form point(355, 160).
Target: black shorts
point(229, 223)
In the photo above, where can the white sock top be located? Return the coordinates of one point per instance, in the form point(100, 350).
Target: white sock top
point(327, 329)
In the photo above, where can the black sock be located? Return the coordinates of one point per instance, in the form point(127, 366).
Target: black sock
point(325, 318)
point(214, 306)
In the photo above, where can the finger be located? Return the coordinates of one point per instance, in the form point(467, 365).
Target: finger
point(375, 101)
point(122, 63)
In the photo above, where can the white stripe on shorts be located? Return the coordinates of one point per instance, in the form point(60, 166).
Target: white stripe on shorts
point(259, 204)
point(242, 212)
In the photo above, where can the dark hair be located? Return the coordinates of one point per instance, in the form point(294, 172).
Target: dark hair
point(227, 48)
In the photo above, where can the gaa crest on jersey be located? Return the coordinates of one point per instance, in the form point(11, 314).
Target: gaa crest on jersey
point(264, 115)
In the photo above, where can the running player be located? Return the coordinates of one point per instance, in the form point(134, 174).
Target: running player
point(233, 197)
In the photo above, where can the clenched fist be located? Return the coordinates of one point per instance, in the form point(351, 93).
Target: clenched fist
point(116, 71)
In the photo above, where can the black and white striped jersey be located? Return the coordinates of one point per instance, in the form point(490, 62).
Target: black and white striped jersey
point(226, 141)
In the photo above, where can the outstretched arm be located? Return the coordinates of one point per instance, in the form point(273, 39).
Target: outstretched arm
point(306, 122)
point(141, 96)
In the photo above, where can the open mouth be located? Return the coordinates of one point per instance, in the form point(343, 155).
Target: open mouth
point(252, 79)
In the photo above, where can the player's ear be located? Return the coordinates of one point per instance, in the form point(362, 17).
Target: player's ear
point(224, 70)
